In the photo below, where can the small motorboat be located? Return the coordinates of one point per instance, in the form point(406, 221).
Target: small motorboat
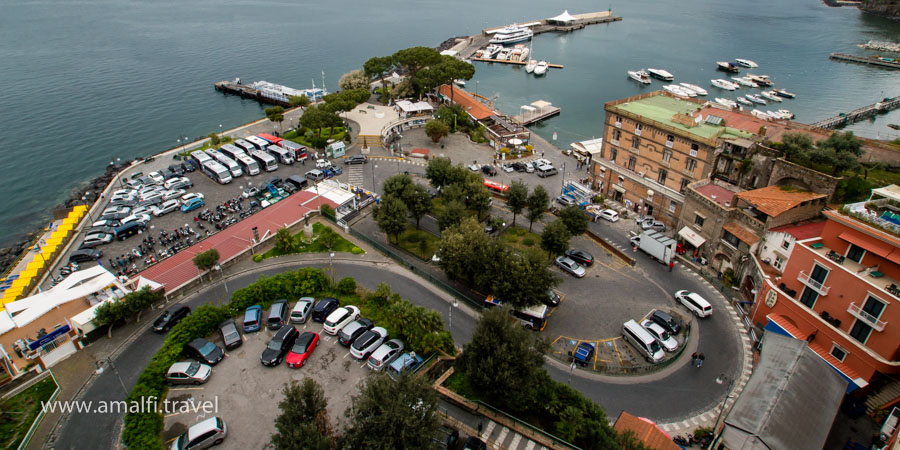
point(771, 96)
point(785, 114)
point(504, 54)
point(755, 99)
point(726, 102)
point(744, 82)
point(760, 115)
point(679, 91)
point(693, 87)
point(460, 83)
point(724, 84)
point(762, 80)
point(746, 63)
point(529, 67)
point(727, 66)
point(783, 93)
point(641, 76)
point(540, 68)
point(744, 101)
point(661, 74)
point(490, 52)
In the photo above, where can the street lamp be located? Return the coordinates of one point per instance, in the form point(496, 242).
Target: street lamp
point(374, 186)
point(331, 263)
point(224, 281)
point(455, 304)
point(721, 380)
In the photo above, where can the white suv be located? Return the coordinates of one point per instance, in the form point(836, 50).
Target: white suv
point(339, 318)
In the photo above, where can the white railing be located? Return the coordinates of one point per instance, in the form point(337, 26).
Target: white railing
point(637, 131)
point(669, 144)
point(614, 141)
point(858, 312)
point(816, 285)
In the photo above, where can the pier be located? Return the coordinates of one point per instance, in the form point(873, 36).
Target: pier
point(894, 64)
point(535, 112)
point(230, 87)
point(518, 63)
point(859, 114)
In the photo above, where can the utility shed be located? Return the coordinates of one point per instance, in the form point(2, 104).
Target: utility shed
point(790, 400)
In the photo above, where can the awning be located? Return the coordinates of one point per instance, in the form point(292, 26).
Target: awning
point(618, 188)
point(871, 245)
point(691, 236)
point(741, 233)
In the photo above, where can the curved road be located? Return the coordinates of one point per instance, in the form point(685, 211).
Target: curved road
point(680, 392)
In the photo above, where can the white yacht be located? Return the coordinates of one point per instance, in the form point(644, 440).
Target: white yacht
point(783, 93)
point(661, 74)
point(744, 101)
point(491, 50)
point(746, 63)
point(762, 80)
point(726, 102)
point(677, 90)
point(511, 35)
point(693, 87)
point(540, 68)
point(460, 83)
point(724, 84)
point(744, 82)
point(771, 96)
point(504, 54)
point(641, 76)
point(755, 99)
point(529, 67)
point(760, 115)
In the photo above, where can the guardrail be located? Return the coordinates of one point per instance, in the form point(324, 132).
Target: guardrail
point(40, 417)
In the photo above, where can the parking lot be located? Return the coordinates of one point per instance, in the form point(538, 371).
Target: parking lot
point(248, 392)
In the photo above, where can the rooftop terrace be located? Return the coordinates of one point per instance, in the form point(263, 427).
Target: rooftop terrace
point(661, 108)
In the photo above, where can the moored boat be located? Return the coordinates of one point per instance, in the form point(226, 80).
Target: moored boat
point(726, 102)
point(760, 115)
point(540, 68)
point(641, 76)
point(727, 66)
point(743, 81)
point(783, 93)
point(460, 83)
point(491, 50)
point(511, 35)
point(529, 67)
point(746, 63)
point(724, 84)
point(697, 89)
point(755, 99)
point(504, 53)
point(661, 74)
point(744, 101)
point(771, 96)
point(762, 80)
point(679, 91)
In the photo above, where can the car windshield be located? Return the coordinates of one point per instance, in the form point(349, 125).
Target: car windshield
point(301, 345)
point(274, 344)
point(664, 335)
point(230, 333)
point(654, 347)
point(208, 348)
point(192, 369)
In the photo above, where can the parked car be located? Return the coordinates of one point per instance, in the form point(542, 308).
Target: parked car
point(187, 167)
point(529, 167)
point(553, 298)
point(666, 321)
point(190, 196)
point(302, 309)
point(156, 177)
point(666, 341)
point(204, 351)
point(202, 435)
point(297, 181)
point(278, 314)
point(508, 168)
point(353, 330)
point(356, 159)
point(107, 223)
point(474, 167)
point(168, 174)
point(104, 230)
point(519, 166)
point(140, 218)
point(114, 216)
point(489, 170)
point(473, 443)
point(250, 192)
point(323, 308)
point(333, 171)
point(93, 240)
point(565, 200)
point(584, 354)
point(302, 349)
point(580, 256)
point(385, 354)
point(364, 345)
point(405, 363)
point(694, 303)
point(139, 211)
point(177, 169)
point(649, 223)
point(252, 319)
point(191, 205)
point(274, 181)
point(190, 372)
point(116, 210)
point(339, 318)
point(567, 265)
point(278, 347)
point(166, 207)
point(173, 194)
point(231, 337)
point(178, 183)
point(608, 214)
point(85, 255)
point(315, 175)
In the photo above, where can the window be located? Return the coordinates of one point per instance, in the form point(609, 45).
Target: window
point(860, 331)
point(670, 140)
point(635, 143)
point(838, 352)
point(672, 207)
point(667, 155)
point(694, 149)
point(698, 220)
point(684, 183)
point(730, 238)
point(873, 307)
point(809, 297)
point(661, 178)
point(638, 129)
point(617, 134)
point(612, 154)
point(690, 164)
point(779, 262)
point(621, 181)
point(632, 161)
point(618, 122)
point(785, 244)
point(855, 253)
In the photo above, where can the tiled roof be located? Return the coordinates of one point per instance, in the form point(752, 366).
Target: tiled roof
point(802, 230)
point(645, 431)
point(717, 194)
point(741, 233)
point(477, 109)
point(773, 200)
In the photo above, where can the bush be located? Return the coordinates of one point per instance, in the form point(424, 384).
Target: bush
point(528, 241)
point(318, 142)
point(413, 238)
point(326, 210)
point(357, 251)
point(257, 258)
point(347, 286)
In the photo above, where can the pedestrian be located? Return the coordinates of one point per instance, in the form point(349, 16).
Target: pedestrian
point(700, 359)
point(542, 154)
point(671, 265)
point(694, 359)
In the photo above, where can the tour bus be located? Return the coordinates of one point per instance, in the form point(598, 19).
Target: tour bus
point(224, 160)
point(533, 317)
point(282, 155)
point(216, 171)
point(200, 157)
point(244, 145)
point(265, 160)
point(299, 151)
point(258, 142)
point(231, 151)
point(248, 164)
point(270, 138)
point(495, 187)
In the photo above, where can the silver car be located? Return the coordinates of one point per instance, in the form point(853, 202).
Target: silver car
point(190, 372)
point(166, 208)
point(93, 240)
point(364, 345)
point(300, 313)
point(143, 219)
point(529, 167)
point(116, 210)
point(202, 435)
point(385, 354)
point(570, 266)
point(173, 194)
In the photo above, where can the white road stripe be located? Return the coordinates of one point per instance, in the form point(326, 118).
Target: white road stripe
point(515, 441)
point(529, 445)
point(488, 430)
point(499, 441)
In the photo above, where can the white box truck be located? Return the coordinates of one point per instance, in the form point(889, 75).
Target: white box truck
point(655, 244)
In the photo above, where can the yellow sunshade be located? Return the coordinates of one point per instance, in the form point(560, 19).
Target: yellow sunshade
point(71, 219)
point(30, 273)
point(21, 283)
point(79, 209)
point(49, 249)
point(36, 264)
point(56, 239)
point(65, 227)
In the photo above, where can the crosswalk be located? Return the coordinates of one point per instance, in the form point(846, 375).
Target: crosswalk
point(355, 175)
point(497, 436)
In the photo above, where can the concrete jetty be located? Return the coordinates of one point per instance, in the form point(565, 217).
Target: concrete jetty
point(858, 114)
point(873, 60)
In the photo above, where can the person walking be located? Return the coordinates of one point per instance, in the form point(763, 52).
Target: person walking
point(700, 359)
point(671, 265)
point(694, 359)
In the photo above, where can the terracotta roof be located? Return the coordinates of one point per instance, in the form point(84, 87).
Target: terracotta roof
point(743, 120)
point(741, 233)
point(645, 431)
point(475, 108)
point(717, 194)
point(774, 201)
point(802, 230)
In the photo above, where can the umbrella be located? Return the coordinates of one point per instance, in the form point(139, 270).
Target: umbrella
point(515, 141)
point(21, 283)
point(64, 227)
point(49, 249)
point(34, 265)
point(79, 210)
point(70, 220)
point(28, 273)
point(55, 240)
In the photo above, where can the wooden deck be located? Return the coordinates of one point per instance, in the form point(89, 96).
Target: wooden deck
point(518, 63)
point(530, 118)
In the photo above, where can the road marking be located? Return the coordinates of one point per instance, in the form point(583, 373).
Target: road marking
point(530, 445)
point(501, 438)
point(616, 348)
point(348, 354)
point(488, 430)
point(515, 441)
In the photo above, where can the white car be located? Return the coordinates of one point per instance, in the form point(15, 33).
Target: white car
point(141, 218)
point(116, 210)
point(178, 183)
point(322, 164)
point(508, 168)
point(150, 190)
point(157, 177)
point(187, 197)
point(340, 318)
point(364, 345)
point(173, 194)
point(660, 335)
point(166, 207)
point(529, 167)
point(124, 194)
point(608, 214)
point(250, 192)
point(474, 167)
point(142, 210)
point(694, 303)
point(541, 162)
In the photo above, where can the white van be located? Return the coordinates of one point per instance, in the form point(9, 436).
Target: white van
point(546, 171)
point(694, 303)
point(640, 339)
point(281, 154)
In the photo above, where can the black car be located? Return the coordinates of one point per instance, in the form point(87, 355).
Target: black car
point(170, 318)
point(323, 308)
point(274, 181)
point(204, 351)
point(187, 167)
point(177, 169)
point(297, 181)
point(289, 188)
point(115, 216)
point(489, 170)
point(580, 256)
point(353, 330)
point(666, 321)
point(85, 255)
point(231, 337)
point(519, 166)
point(104, 230)
point(357, 159)
point(123, 202)
point(167, 174)
point(280, 344)
point(473, 443)
point(552, 298)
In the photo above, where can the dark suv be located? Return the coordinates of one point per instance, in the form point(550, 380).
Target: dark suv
point(278, 314)
point(489, 170)
point(666, 321)
point(323, 308)
point(170, 318)
point(280, 344)
point(353, 330)
point(204, 351)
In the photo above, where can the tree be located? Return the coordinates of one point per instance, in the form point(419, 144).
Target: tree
point(436, 129)
point(206, 260)
point(453, 115)
point(284, 242)
point(520, 280)
point(415, 59)
point(213, 139)
point(301, 101)
point(538, 202)
point(303, 422)
point(555, 238)
point(503, 358)
point(840, 152)
point(328, 238)
point(453, 214)
point(355, 79)
point(313, 118)
point(109, 313)
point(463, 248)
point(418, 201)
point(391, 216)
point(438, 172)
point(396, 185)
point(389, 414)
point(796, 147)
point(446, 71)
point(133, 303)
point(575, 220)
point(378, 66)
point(479, 197)
point(517, 198)
point(275, 114)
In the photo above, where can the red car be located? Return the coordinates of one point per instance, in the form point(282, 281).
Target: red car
point(302, 349)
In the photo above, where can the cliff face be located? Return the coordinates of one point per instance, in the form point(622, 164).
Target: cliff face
point(887, 8)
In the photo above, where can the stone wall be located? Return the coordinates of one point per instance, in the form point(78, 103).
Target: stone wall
point(784, 173)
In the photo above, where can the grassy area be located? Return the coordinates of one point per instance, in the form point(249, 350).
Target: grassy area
point(337, 134)
point(418, 242)
point(521, 239)
point(459, 384)
point(883, 177)
point(18, 412)
point(311, 244)
point(222, 141)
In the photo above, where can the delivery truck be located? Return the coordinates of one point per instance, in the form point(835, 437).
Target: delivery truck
point(655, 244)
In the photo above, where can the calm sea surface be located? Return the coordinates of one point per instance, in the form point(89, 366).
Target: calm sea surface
point(86, 82)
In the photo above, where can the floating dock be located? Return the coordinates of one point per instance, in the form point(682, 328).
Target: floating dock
point(518, 63)
point(858, 114)
point(895, 64)
point(230, 87)
point(535, 112)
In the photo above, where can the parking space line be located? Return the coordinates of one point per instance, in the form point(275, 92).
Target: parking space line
point(616, 348)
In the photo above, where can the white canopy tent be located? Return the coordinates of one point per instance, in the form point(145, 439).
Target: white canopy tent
point(892, 192)
point(564, 18)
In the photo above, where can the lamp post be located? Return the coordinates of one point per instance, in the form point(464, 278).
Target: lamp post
point(721, 380)
point(331, 264)
point(455, 304)
point(374, 185)
point(224, 281)
point(88, 210)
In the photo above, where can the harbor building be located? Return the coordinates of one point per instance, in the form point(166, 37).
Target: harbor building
point(502, 131)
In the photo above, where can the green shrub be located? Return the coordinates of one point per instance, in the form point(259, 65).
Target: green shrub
point(357, 251)
point(257, 258)
point(326, 210)
point(528, 241)
point(413, 238)
point(346, 286)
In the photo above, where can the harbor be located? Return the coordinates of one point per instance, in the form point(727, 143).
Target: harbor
point(270, 93)
point(518, 63)
point(866, 112)
point(892, 63)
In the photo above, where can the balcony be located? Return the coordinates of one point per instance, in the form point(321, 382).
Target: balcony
point(875, 279)
point(669, 144)
point(815, 285)
point(614, 141)
point(857, 312)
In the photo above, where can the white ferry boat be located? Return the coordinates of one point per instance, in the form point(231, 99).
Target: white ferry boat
point(641, 76)
point(661, 74)
point(512, 34)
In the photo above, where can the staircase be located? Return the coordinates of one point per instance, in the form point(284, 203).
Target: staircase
point(884, 397)
point(369, 140)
